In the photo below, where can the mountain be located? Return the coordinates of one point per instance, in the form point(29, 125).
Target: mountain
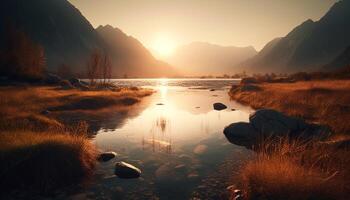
point(343, 60)
point(65, 34)
point(200, 58)
point(309, 46)
point(130, 56)
point(68, 38)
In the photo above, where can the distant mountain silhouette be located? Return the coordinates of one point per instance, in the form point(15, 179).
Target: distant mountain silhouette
point(309, 46)
point(200, 58)
point(68, 38)
point(130, 56)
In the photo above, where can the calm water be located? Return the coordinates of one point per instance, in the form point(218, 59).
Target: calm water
point(176, 140)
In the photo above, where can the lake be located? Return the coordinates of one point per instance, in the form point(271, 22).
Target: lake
point(176, 139)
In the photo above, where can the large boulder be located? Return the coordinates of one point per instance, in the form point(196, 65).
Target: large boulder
point(219, 106)
point(267, 123)
point(271, 122)
point(126, 170)
point(241, 133)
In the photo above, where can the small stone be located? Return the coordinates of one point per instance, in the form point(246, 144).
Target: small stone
point(160, 104)
point(106, 156)
point(231, 187)
point(237, 192)
point(45, 112)
point(239, 197)
point(126, 170)
point(219, 106)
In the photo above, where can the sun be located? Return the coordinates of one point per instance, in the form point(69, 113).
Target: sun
point(164, 47)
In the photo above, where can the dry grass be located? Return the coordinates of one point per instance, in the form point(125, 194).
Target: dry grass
point(21, 107)
point(293, 170)
point(44, 161)
point(325, 102)
point(37, 151)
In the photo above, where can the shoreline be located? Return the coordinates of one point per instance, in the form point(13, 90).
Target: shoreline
point(40, 121)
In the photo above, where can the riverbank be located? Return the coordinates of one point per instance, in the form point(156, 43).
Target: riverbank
point(324, 102)
point(285, 168)
point(43, 143)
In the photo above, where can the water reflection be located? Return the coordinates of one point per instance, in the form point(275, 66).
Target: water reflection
point(176, 140)
point(160, 136)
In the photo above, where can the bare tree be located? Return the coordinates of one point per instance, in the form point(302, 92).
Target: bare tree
point(106, 69)
point(93, 67)
point(99, 67)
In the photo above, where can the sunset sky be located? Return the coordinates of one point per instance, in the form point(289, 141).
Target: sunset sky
point(164, 24)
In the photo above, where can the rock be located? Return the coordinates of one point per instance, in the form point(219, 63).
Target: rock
point(74, 81)
point(232, 109)
point(106, 156)
point(126, 170)
point(270, 122)
point(231, 187)
point(200, 149)
point(66, 85)
point(219, 106)
point(211, 90)
point(78, 84)
point(239, 197)
point(241, 133)
point(267, 123)
point(237, 192)
point(45, 112)
point(53, 79)
point(249, 88)
point(160, 104)
point(249, 80)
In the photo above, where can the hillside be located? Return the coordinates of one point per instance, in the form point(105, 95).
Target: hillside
point(309, 46)
point(68, 38)
point(130, 57)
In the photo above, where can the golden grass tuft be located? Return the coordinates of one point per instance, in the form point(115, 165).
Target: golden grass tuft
point(325, 102)
point(294, 170)
point(44, 161)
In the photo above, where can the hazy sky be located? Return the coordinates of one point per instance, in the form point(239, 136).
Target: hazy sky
point(224, 22)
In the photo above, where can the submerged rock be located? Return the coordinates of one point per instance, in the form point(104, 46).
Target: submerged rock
point(219, 106)
point(106, 156)
point(126, 170)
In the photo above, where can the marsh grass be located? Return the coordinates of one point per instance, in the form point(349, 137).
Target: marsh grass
point(44, 161)
point(325, 102)
point(292, 169)
point(21, 107)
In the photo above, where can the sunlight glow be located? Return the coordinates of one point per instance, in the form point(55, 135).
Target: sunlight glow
point(164, 46)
